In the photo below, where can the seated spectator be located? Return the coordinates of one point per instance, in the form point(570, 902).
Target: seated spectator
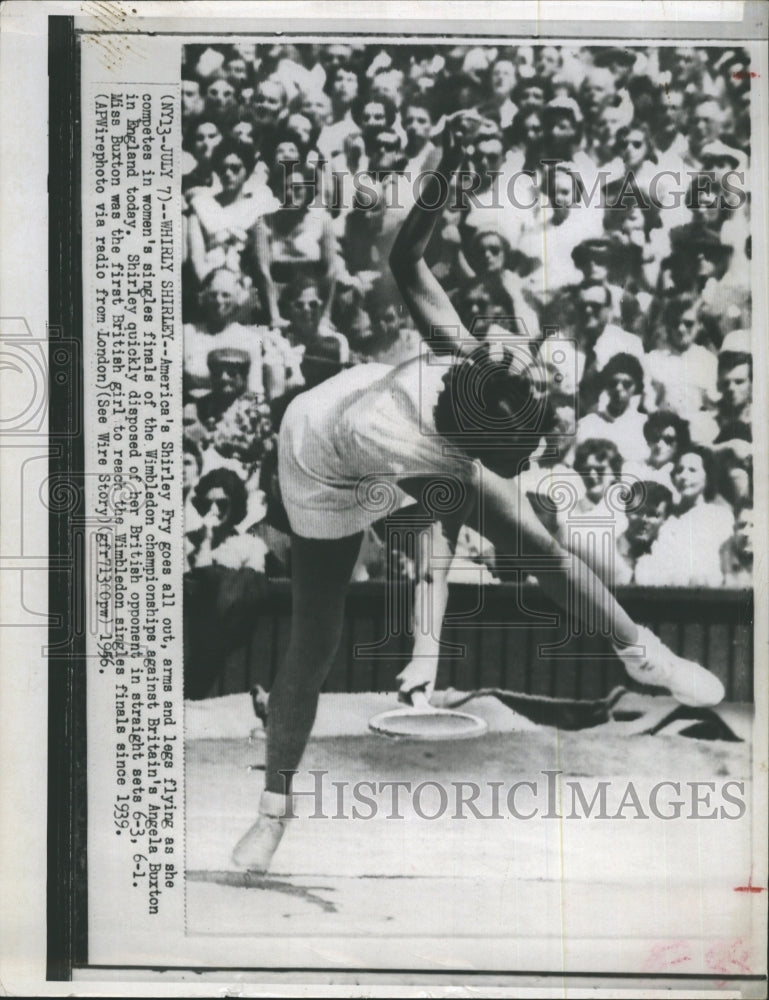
point(550, 465)
point(632, 222)
point(200, 141)
point(419, 119)
point(665, 115)
point(705, 125)
point(636, 156)
point(737, 551)
point(316, 105)
point(692, 538)
point(639, 557)
point(615, 115)
point(598, 462)
point(192, 98)
point(683, 373)
point(735, 383)
point(502, 79)
point(619, 61)
point(596, 89)
point(723, 281)
point(222, 297)
point(221, 100)
point(219, 226)
point(553, 231)
point(524, 136)
point(296, 240)
point(562, 126)
point(485, 311)
point(371, 114)
point(531, 92)
point(488, 256)
point(617, 417)
point(598, 338)
point(667, 436)
point(304, 304)
point(734, 462)
point(342, 86)
point(597, 261)
point(229, 422)
point(224, 581)
point(244, 128)
point(192, 464)
point(240, 72)
point(489, 207)
point(392, 339)
point(589, 524)
point(270, 105)
point(220, 499)
point(548, 61)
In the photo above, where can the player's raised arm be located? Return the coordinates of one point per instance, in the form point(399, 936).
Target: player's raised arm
point(430, 307)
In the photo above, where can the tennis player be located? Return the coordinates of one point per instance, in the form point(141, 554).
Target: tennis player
point(460, 414)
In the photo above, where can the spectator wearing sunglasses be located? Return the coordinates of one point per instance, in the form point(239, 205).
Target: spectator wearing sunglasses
point(229, 422)
point(634, 154)
point(617, 417)
point(314, 343)
point(219, 226)
point(667, 435)
point(224, 581)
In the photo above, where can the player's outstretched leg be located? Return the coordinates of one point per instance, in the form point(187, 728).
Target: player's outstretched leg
point(508, 519)
point(321, 571)
point(653, 663)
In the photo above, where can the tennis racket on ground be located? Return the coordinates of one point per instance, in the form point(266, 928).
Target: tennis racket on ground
point(419, 720)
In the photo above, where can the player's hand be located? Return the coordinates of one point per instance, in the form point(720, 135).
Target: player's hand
point(419, 675)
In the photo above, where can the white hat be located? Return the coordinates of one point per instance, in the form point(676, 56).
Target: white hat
point(736, 342)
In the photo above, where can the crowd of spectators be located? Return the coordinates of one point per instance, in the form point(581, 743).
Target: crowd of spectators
point(602, 212)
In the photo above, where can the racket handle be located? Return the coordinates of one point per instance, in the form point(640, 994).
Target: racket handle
point(419, 700)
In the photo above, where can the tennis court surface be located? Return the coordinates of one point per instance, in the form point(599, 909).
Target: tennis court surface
point(536, 884)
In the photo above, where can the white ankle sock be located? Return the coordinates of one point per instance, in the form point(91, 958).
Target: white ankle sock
point(275, 805)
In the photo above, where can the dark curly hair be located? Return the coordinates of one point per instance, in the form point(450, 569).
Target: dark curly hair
point(486, 407)
point(659, 420)
point(603, 449)
point(708, 464)
point(232, 485)
point(233, 147)
point(359, 104)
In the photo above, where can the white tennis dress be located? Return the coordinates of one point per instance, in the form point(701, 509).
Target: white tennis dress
point(345, 444)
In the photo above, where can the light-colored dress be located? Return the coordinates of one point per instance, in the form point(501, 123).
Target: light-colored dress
point(345, 445)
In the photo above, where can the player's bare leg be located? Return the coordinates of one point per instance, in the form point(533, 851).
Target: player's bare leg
point(321, 573)
point(509, 520)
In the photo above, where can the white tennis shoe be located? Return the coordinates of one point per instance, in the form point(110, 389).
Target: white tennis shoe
point(255, 849)
point(656, 665)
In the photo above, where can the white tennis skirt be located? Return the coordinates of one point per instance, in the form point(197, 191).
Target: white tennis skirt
point(346, 444)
